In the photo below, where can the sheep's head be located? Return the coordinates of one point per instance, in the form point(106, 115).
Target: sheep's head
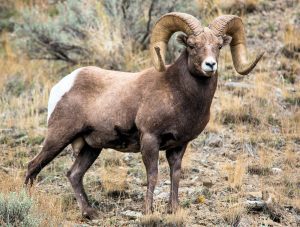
point(203, 44)
point(203, 51)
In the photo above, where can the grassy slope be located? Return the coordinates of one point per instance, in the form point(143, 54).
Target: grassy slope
point(252, 131)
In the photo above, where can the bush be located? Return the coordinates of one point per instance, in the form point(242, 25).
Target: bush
point(107, 32)
point(7, 12)
point(16, 210)
point(60, 37)
point(15, 85)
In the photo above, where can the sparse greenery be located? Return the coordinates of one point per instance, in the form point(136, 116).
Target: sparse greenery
point(85, 36)
point(16, 209)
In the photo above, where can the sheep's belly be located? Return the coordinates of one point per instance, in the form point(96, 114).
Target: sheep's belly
point(125, 143)
point(126, 148)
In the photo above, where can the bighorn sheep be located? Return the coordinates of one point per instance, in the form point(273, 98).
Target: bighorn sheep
point(161, 108)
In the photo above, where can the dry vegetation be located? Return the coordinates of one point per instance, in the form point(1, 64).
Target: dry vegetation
point(250, 151)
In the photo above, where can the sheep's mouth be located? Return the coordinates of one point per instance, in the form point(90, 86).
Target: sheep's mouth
point(208, 73)
point(199, 69)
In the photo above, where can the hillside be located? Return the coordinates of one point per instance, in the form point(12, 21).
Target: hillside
point(243, 170)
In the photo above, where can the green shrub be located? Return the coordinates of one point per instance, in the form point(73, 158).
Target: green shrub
point(15, 85)
point(7, 12)
point(107, 33)
point(16, 210)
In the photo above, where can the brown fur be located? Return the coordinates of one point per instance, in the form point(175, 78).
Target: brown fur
point(131, 112)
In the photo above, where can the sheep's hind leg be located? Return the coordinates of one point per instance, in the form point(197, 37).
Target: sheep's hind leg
point(83, 162)
point(54, 143)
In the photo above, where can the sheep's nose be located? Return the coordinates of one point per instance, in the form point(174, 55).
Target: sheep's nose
point(209, 64)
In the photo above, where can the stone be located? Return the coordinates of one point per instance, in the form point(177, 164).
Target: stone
point(131, 214)
point(214, 140)
point(238, 85)
point(162, 195)
point(276, 170)
point(208, 183)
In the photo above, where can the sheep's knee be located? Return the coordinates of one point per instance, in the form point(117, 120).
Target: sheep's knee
point(77, 145)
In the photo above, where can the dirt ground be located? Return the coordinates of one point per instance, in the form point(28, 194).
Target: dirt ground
point(243, 170)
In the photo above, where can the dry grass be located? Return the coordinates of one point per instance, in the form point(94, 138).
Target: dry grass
point(178, 218)
point(233, 214)
point(290, 157)
point(240, 7)
point(264, 164)
point(265, 159)
point(265, 117)
point(114, 179)
point(151, 219)
point(236, 172)
point(291, 37)
point(187, 162)
point(47, 206)
point(156, 217)
point(113, 172)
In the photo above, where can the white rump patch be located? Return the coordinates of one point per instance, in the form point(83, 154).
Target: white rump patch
point(59, 89)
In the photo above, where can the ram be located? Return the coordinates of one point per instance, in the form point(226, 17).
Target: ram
point(160, 108)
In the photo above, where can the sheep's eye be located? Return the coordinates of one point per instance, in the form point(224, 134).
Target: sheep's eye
point(191, 46)
point(220, 47)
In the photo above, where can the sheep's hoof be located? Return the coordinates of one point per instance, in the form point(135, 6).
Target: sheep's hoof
point(90, 213)
point(29, 179)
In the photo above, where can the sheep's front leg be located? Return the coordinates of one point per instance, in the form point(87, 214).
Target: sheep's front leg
point(150, 150)
point(174, 157)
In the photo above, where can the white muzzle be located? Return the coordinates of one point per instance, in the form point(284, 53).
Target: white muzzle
point(209, 65)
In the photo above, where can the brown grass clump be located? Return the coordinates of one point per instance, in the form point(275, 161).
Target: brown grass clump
point(151, 219)
point(291, 180)
point(265, 163)
point(114, 179)
point(291, 42)
point(239, 6)
point(236, 172)
point(234, 110)
point(209, 9)
point(265, 159)
point(233, 214)
point(178, 218)
point(110, 157)
point(290, 157)
point(113, 172)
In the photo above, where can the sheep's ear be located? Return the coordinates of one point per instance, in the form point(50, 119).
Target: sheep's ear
point(182, 39)
point(226, 40)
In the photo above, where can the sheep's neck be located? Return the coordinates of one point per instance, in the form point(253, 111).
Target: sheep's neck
point(198, 90)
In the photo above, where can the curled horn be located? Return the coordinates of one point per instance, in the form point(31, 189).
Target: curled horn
point(163, 30)
point(233, 26)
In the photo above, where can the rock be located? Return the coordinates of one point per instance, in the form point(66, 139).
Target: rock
point(167, 182)
point(187, 190)
point(131, 214)
point(278, 93)
point(238, 85)
point(276, 170)
point(194, 179)
point(214, 140)
point(195, 170)
point(163, 195)
point(207, 183)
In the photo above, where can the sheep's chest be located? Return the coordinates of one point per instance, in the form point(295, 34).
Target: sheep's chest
point(125, 140)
